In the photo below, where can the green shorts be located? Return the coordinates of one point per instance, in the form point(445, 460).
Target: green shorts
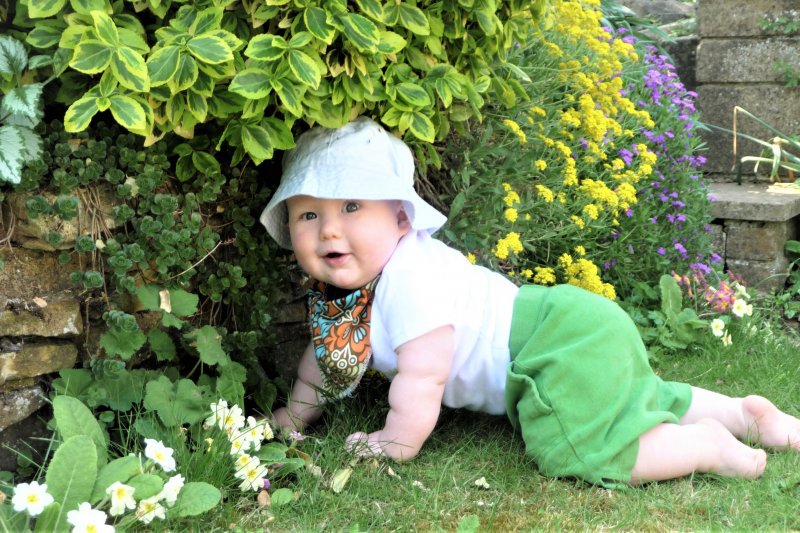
point(579, 386)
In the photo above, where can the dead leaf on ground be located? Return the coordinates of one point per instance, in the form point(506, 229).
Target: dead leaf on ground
point(340, 479)
point(264, 499)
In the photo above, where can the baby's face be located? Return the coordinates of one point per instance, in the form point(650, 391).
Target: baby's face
point(345, 243)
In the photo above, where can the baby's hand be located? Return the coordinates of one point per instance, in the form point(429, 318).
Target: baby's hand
point(364, 445)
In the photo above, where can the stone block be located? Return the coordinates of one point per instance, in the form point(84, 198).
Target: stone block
point(29, 437)
point(754, 201)
point(59, 318)
point(776, 105)
point(764, 276)
point(663, 11)
point(729, 18)
point(19, 404)
point(717, 238)
point(30, 273)
point(35, 360)
point(683, 52)
point(738, 60)
point(760, 241)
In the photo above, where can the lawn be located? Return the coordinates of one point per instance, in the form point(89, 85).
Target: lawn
point(472, 475)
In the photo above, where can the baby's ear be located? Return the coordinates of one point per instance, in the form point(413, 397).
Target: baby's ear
point(402, 217)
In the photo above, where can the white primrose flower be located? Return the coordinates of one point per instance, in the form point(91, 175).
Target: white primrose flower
point(171, 490)
point(741, 290)
point(218, 412)
point(252, 476)
point(727, 340)
point(121, 498)
point(162, 455)
point(239, 444)
point(717, 327)
point(88, 520)
point(740, 308)
point(149, 509)
point(254, 432)
point(244, 460)
point(31, 498)
point(233, 420)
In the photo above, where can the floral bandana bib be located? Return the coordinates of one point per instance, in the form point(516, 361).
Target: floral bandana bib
point(340, 334)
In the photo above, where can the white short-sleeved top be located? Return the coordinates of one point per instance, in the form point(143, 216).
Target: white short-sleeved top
point(426, 285)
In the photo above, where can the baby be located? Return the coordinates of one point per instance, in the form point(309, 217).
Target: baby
point(566, 366)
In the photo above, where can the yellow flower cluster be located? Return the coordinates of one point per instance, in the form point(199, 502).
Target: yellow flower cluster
point(511, 197)
point(545, 193)
point(544, 276)
point(509, 243)
point(511, 214)
point(514, 127)
point(541, 165)
point(585, 274)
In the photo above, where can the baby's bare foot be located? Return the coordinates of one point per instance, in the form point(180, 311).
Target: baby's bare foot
point(769, 426)
point(734, 459)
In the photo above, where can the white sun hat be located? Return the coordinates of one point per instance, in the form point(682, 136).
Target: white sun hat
point(359, 161)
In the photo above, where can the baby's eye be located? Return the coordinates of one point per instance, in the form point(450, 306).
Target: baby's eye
point(308, 216)
point(351, 207)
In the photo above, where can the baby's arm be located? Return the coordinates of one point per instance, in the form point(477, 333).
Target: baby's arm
point(303, 406)
point(415, 397)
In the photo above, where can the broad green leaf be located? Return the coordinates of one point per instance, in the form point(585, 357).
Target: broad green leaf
point(149, 297)
point(73, 381)
point(316, 20)
point(233, 42)
point(255, 141)
point(412, 18)
point(73, 35)
point(252, 83)
point(372, 8)
point(51, 519)
point(195, 498)
point(74, 418)
point(266, 47)
point(360, 31)
point(162, 65)
point(132, 40)
point(79, 114)
point(300, 40)
point(210, 49)
point(146, 485)
point(280, 135)
point(391, 42)
point(421, 126)
point(230, 383)
point(289, 94)
point(85, 7)
point(183, 303)
point(204, 85)
point(208, 343)
point(487, 21)
point(175, 404)
point(23, 101)
point(469, 524)
point(12, 156)
point(205, 163)
point(39, 61)
point(45, 34)
point(39, 9)
point(13, 57)
point(92, 56)
point(121, 469)
point(304, 68)
point(122, 343)
point(282, 497)
point(207, 20)
point(130, 22)
point(413, 94)
point(161, 344)
point(197, 106)
point(130, 69)
point(128, 112)
point(671, 298)
point(103, 103)
point(186, 74)
point(72, 472)
point(104, 28)
point(108, 84)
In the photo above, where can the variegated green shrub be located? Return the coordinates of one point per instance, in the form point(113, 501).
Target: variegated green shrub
point(250, 69)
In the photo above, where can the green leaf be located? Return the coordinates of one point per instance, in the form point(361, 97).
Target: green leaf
point(162, 65)
point(45, 34)
point(148, 296)
point(266, 47)
point(183, 303)
point(195, 498)
point(280, 135)
point(133, 41)
point(74, 418)
point(104, 27)
point(300, 40)
point(130, 69)
point(47, 522)
point(13, 57)
point(413, 19)
point(391, 42)
point(197, 106)
point(12, 156)
point(39, 9)
point(85, 7)
point(671, 297)
point(146, 485)
point(79, 114)
point(121, 469)
point(289, 95)
point(205, 163)
point(161, 344)
point(469, 524)
point(207, 20)
point(210, 49)
point(256, 142)
point(208, 343)
point(230, 382)
point(186, 74)
point(304, 68)
point(421, 126)
point(92, 56)
point(360, 31)
point(316, 20)
point(175, 404)
point(128, 112)
point(72, 472)
point(282, 497)
point(24, 102)
point(372, 8)
point(252, 83)
point(413, 94)
point(122, 343)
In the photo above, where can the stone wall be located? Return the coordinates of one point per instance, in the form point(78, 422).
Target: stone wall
point(735, 67)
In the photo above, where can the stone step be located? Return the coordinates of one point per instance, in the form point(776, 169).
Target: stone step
point(767, 202)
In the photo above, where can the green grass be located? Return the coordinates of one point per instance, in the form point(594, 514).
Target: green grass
point(437, 491)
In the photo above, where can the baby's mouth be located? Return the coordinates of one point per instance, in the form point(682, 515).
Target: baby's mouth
point(333, 255)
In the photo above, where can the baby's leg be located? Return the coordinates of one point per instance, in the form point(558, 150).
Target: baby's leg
point(670, 451)
point(752, 418)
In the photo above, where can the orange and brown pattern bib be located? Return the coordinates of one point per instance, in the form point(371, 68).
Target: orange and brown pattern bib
point(340, 334)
